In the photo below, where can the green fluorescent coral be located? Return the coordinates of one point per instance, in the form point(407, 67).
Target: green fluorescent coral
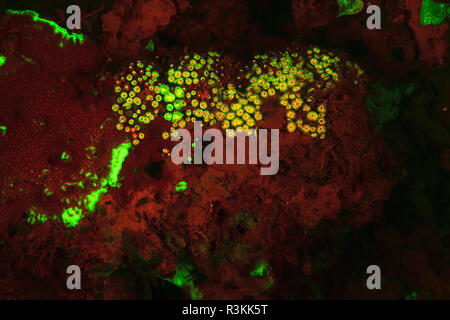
point(3, 130)
point(259, 271)
point(36, 216)
point(150, 45)
point(118, 156)
point(72, 216)
point(2, 60)
point(56, 28)
point(93, 198)
point(348, 7)
point(183, 278)
point(432, 12)
point(65, 156)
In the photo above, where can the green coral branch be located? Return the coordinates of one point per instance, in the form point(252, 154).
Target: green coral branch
point(56, 28)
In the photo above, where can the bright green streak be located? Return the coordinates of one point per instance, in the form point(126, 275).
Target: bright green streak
point(259, 271)
point(2, 60)
point(94, 197)
point(56, 28)
point(181, 186)
point(3, 129)
point(118, 156)
point(183, 278)
point(348, 7)
point(72, 216)
point(432, 13)
point(150, 45)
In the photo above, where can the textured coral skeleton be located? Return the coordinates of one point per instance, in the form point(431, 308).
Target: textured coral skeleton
point(85, 127)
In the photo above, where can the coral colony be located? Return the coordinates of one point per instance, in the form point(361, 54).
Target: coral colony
point(204, 170)
point(197, 90)
point(149, 107)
